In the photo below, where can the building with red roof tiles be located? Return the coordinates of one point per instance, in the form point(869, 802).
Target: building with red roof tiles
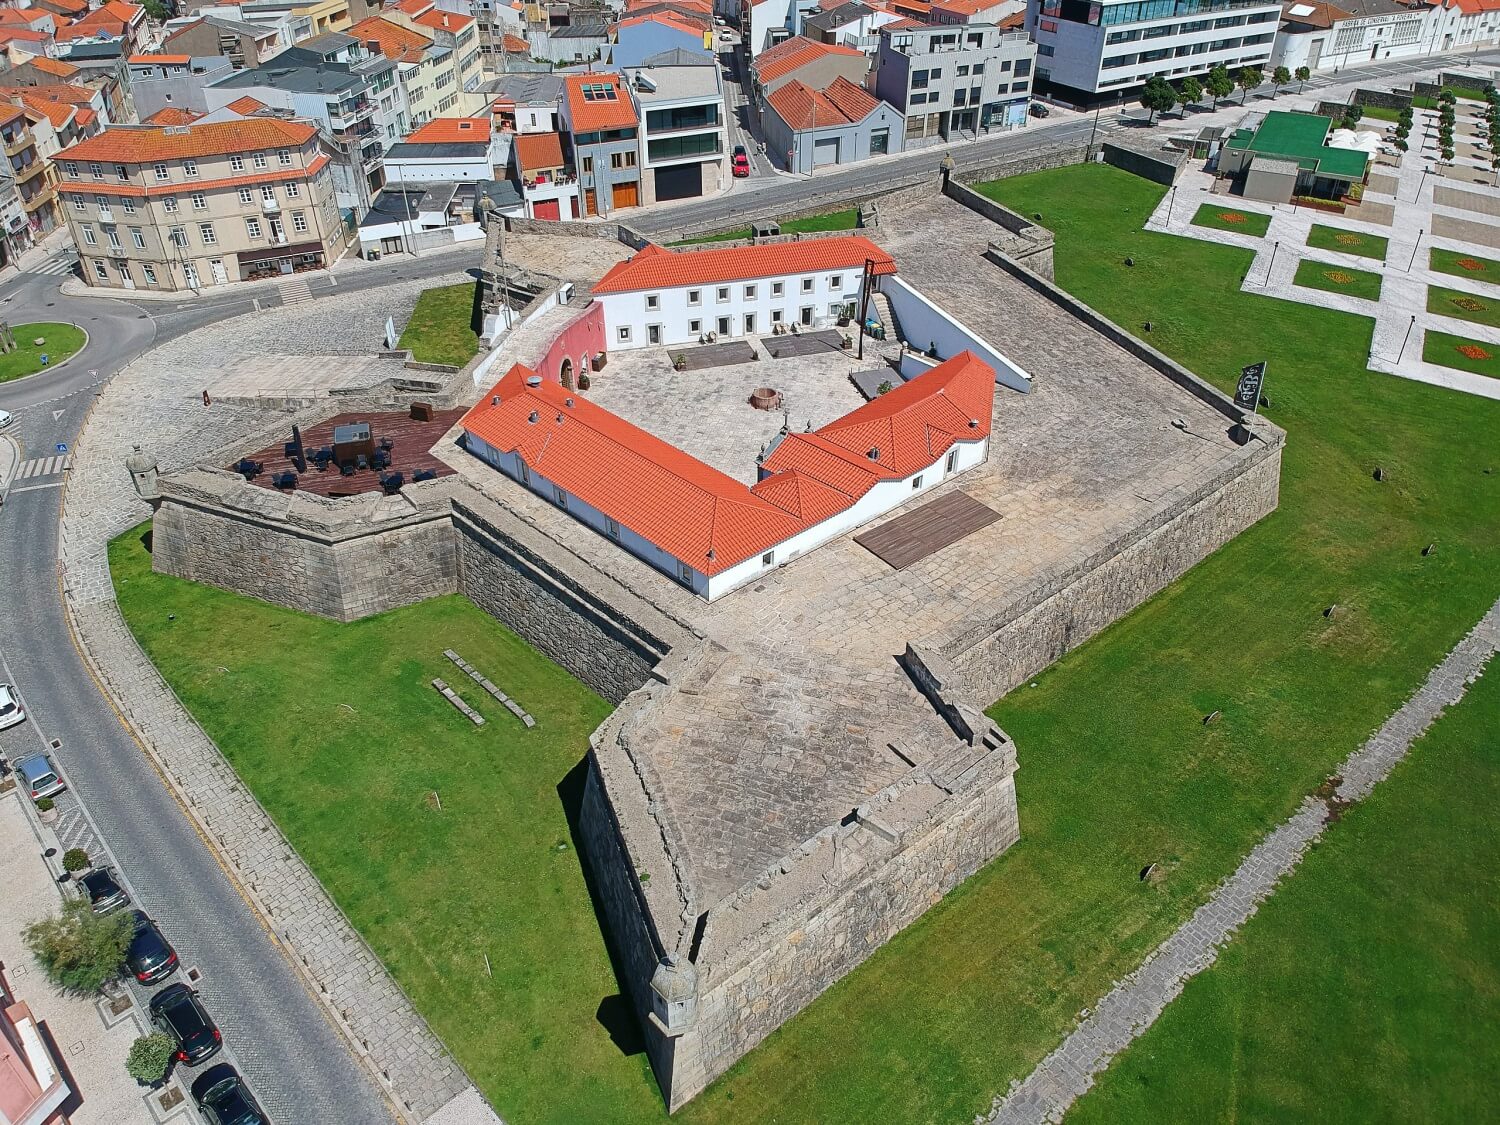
point(22, 130)
point(54, 68)
point(439, 60)
point(445, 150)
point(113, 19)
point(973, 11)
point(549, 187)
point(709, 531)
point(599, 112)
point(246, 106)
point(172, 115)
point(204, 204)
point(808, 61)
point(807, 129)
point(69, 8)
point(1325, 36)
point(955, 81)
point(637, 38)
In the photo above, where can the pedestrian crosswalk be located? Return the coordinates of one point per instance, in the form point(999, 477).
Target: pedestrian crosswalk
point(43, 466)
point(295, 291)
point(54, 267)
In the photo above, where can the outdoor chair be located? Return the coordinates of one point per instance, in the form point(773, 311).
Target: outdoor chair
point(392, 483)
point(363, 462)
point(346, 469)
point(387, 444)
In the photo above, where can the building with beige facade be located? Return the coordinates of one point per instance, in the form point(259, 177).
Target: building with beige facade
point(189, 206)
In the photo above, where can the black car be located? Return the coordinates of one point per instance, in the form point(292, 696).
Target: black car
point(176, 1012)
point(105, 895)
point(1039, 110)
point(739, 150)
point(225, 1099)
point(150, 956)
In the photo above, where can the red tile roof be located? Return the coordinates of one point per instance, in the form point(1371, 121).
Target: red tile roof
point(904, 25)
point(55, 67)
point(86, 117)
point(57, 112)
point(69, 7)
point(965, 7)
point(18, 18)
point(590, 115)
point(281, 175)
point(452, 130)
point(794, 54)
point(414, 7)
point(802, 107)
point(536, 152)
point(246, 105)
point(161, 60)
point(703, 517)
point(443, 21)
point(22, 35)
point(1013, 22)
point(391, 39)
point(691, 25)
point(515, 45)
point(655, 268)
point(141, 144)
point(172, 115)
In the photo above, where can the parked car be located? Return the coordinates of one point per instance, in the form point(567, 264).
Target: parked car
point(225, 1099)
point(39, 775)
point(102, 890)
point(740, 166)
point(177, 1013)
point(11, 711)
point(1039, 110)
point(150, 956)
point(6, 418)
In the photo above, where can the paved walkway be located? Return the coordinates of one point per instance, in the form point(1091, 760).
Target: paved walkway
point(1135, 1003)
point(1425, 213)
point(158, 399)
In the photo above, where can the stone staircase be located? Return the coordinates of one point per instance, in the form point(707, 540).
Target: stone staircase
point(880, 305)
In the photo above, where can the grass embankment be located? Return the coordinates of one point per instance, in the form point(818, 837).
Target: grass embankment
point(443, 327)
point(59, 342)
point(1337, 279)
point(1220, 217)
point(829, 220)
point(338, 732)
point(1323, 237)
point(1368, 987)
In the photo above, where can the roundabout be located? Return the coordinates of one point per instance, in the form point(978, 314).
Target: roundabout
point(24, 346)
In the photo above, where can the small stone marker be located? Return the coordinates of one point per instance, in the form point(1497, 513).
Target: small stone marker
point(1146, 871)
point(1211, 717)
point(479, 678)
point(452, 697)
point(1427, 550)
point(1331, 610)
point(1379, 474)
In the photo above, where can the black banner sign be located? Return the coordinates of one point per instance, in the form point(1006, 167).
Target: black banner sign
point(1247, 391)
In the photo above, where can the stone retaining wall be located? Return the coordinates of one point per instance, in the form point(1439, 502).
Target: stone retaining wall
point(1158, 167)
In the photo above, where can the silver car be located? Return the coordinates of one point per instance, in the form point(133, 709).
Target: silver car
point(40, 778)
point(11, 711)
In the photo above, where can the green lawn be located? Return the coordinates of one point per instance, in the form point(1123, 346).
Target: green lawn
point(442, 327)
point(1347, 241)
point(829, 220)
point(1337, 279)
point(60, 342)
point(1460, 264)
point(1464, 306)
point(1221, 217)
point(338, 732)
point(1117, 768)
point(1368, 988)
point(1379, 113)
point(1476, 356)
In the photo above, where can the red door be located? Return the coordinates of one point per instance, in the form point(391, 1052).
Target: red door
point(546, 209)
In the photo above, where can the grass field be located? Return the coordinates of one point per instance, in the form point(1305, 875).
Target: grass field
point(1448, 261)
point(442, 328)
point(1324, 237)
point(1379, 113)
point(337, 731)
point(1117, 767)
point(830, 220)
point(1462, 353)
point(1337, 279)
point(1368, 987)
point(61, 342)
point(1464, 306)
point(1220, 217)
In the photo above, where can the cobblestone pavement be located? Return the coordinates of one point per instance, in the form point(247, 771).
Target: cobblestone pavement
point(156, 400)
point(1134, 1004)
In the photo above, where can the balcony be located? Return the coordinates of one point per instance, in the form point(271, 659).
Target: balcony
point(18, 142)
point(106, 215)
point(29, 171)
point(269, 205)
point(39, 200)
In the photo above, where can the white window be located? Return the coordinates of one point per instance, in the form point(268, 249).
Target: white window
point(79, 203)
point(611, 528)
point(113, 234)
point(252, 227)
point(169, 203)
point(749, 324)
point(189, 167)
point(624, 333)
point(836, 282)
point(88, 235)
point(723, 293)
point(749, 292)
point(190, 273)
point(101, 203)
point(161, 172)
point(522, 472)
point(150, 272)
point(138, 237)
point(952, 465)
point(776, 316)
point(778, 288)
point(260, 160)
point(129, 205)
point(684, 574)
point(293, 189)
point(70, 167)
point(246, 195)
point(97, 171)
point(236, 163)
point(268, 192)
point(916, 482)
point(768, 558)
point(285, 157)
point(695, 326)
point(100, 272)
point(695, 296)
point(206, 232)
point(122, 172)
point(653, 300)
point(177, 236)
point(200, 201)
point(299, 221)
point(559, 497)
point(807, 284)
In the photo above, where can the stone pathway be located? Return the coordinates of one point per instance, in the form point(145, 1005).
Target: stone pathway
point(1134, 1004)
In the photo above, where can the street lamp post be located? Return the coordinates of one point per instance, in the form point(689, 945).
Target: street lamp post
point(1402, 353)
point(1414, 249)
point(1275, 246)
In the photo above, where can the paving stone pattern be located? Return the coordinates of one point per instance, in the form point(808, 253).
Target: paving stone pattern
point(1134, 1004)
point(157, 400)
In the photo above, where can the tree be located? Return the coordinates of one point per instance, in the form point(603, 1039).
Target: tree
point(1303, 74)
point(156, 10)
point(1280, 77)
point(79, 950)
point(149, 1058)
point(1219, 84)
point(1157, 96)
point(75, 859)
point(1191, 92)
point(1249, 79)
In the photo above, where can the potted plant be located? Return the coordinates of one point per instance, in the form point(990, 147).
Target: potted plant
point(584, 382)
point(885, 387)
point(679, 362)
point(46, 809)
point(75, 860)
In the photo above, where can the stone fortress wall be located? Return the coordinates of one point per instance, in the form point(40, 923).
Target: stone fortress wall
point(710, 979)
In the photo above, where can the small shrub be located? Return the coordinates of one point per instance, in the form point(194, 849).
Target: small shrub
point(1469, 304)
point(1338, 277)
point(46, 804)
point(1231, 216)
point(78, 949)
point(1473, 265)
point(75, 859)
point(149, 1058)
point(1473, 351)
point(885, 387)
point(1349, 239)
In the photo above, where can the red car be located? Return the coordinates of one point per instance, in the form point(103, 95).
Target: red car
point(740, 165)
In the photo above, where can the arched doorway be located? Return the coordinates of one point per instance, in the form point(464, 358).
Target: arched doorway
point(566, 374)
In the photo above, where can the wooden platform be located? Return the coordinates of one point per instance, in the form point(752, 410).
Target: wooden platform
point(924, 531)
point(413, 444)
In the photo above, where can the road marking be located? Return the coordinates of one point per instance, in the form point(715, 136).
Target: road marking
point(36, 487)
point(55, 268)
point(44, 466)
point(56, 414)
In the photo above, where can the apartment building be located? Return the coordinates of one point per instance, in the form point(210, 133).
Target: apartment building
point(599, 113)
point(682, 139)
point(954, 79)
point(437, 57)
point(29, 170)
point(1090, 51)
point(183, 207)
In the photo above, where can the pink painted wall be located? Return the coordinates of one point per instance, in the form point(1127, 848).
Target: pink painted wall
point(579, 342)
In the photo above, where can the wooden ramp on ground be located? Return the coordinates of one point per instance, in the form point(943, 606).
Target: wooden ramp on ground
point(923, 531)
